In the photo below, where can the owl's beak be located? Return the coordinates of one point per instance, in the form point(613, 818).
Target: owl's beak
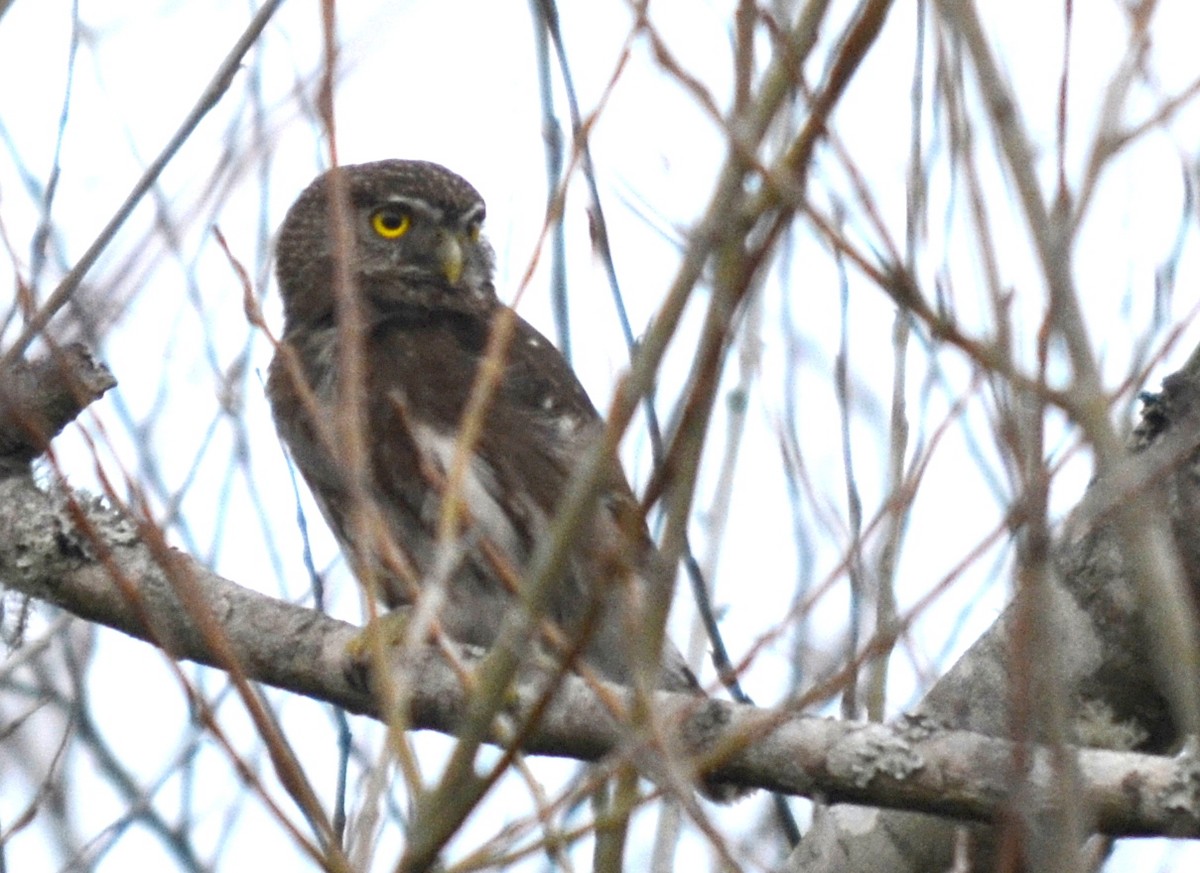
point(450, 257)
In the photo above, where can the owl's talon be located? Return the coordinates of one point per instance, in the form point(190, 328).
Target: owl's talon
point(380, 636)
point(357, 674)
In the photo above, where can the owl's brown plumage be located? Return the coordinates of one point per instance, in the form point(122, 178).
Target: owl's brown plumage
point(422, 273)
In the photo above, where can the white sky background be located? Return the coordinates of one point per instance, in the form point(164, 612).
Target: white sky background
point(456, 82)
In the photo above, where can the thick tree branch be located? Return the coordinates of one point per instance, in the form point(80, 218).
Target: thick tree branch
point(915, 765)
point(39, 398)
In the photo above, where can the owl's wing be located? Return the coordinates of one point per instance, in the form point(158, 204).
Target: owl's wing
point(562, 424)
point(538, 377)
point(542, 422)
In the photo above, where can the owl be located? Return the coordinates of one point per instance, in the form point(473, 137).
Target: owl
point(421, 273)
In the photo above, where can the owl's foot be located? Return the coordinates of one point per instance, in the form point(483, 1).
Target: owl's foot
point(381, 636)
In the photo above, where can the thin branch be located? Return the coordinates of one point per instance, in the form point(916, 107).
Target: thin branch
point(216, 89)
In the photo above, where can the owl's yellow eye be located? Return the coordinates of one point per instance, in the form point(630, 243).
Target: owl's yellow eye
point(391, 223)
point(473, 231)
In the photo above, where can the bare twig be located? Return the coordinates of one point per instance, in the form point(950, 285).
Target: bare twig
point(208, 99)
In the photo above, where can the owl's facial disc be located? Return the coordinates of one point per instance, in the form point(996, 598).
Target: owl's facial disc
point(445, 242)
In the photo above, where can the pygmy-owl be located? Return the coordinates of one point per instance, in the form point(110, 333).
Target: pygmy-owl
point(421, 273)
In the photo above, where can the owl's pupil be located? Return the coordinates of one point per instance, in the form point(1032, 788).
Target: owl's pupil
point(392, 222)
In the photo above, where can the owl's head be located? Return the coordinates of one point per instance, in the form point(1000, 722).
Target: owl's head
point(413, 238)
